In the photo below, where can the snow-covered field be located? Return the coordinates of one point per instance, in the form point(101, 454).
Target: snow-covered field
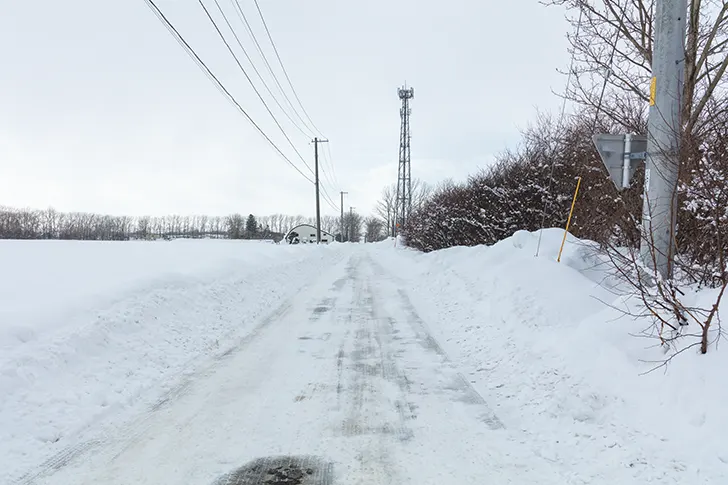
point(89, 330)
point(173, 362)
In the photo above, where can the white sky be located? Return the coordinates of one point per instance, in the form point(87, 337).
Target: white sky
point(102, 111)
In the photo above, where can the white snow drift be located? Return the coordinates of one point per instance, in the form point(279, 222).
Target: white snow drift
point(89, 329)
point(539, 339)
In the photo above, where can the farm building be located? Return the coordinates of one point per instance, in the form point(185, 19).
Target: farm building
point(306, 234)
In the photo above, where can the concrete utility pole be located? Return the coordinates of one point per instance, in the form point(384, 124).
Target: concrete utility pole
point(342, 215)
point(659, 211)
point(316, 141)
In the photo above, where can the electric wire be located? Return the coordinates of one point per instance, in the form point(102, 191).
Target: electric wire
point(218, 84)
point(261, 52)
point(325, 171)
point(237, 60)
point(327, 176)
point(283, 68)
point(333, 179)
point(331, 160)
point(327, 197)
point(257, 73)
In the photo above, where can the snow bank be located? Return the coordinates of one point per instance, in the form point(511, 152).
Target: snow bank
point(43, 282)
point(544, 347)
point(87, 329)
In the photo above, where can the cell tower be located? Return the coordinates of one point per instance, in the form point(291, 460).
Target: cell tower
point(403, 204)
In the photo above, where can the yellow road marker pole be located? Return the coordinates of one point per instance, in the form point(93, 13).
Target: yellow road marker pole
point(568, 222)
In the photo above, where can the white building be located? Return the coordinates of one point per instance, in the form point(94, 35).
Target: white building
point(306, 234)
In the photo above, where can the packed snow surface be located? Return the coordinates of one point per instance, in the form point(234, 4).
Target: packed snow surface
point(183, 361)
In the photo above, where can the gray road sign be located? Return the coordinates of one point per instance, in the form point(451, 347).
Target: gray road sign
point(621, 154)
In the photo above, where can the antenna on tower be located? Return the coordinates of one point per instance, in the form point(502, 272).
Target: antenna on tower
point(403, 204)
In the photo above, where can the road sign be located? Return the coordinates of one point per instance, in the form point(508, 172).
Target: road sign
point(621, 155)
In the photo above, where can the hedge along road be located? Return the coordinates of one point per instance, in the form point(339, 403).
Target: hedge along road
point(343, 384)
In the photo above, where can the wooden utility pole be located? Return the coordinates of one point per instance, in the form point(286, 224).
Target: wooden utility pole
point(316, 141)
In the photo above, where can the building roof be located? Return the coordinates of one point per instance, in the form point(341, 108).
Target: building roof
point(307, 226)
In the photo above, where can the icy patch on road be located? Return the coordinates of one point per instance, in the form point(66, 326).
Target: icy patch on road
point(285, 470)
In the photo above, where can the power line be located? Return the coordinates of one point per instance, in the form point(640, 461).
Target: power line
point(326, 173)
point(275, 49)
point(261, 52)
point(329, 175)
point(201, 64)
point(331, 159)
point(255, 69)
point(237, 61)
point(323, 187)
point(327, 197)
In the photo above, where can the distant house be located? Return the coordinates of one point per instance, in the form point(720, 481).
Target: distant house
point(306, 234)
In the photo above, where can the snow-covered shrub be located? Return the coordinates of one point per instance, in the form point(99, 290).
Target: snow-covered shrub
point(702, 235)
point(526, 189)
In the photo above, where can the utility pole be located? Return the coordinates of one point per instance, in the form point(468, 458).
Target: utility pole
point(342, 215)
point(403, 203)
point(660, 150)
point(316, 141)
point(659, 212)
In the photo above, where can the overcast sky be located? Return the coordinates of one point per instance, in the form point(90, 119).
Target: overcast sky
point(102, 111)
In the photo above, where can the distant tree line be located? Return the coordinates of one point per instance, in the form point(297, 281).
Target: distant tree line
point(53, 224)
point(387, 206)
point(382, 225)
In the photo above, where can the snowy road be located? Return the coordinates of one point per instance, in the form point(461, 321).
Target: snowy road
point(344, 380)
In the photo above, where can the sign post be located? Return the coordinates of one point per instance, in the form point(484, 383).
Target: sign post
point(619, 154)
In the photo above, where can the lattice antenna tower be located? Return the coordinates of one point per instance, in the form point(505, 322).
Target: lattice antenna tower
point(403, 205)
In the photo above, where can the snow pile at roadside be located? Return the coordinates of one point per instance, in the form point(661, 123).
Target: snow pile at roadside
point(542, 344)
point(45, 281)
point(88, 329)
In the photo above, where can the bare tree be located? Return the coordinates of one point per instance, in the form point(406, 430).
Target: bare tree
point(374, 228)
point(421, 191)
point(386, 206)
point(330, 224)
point(614, 46)
point(51, 224)
point(277, 223)
point(143, 227)
point(387, 203)
point(216, 226)
point(235, 226)
point(352, 226)
point(265, 224)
